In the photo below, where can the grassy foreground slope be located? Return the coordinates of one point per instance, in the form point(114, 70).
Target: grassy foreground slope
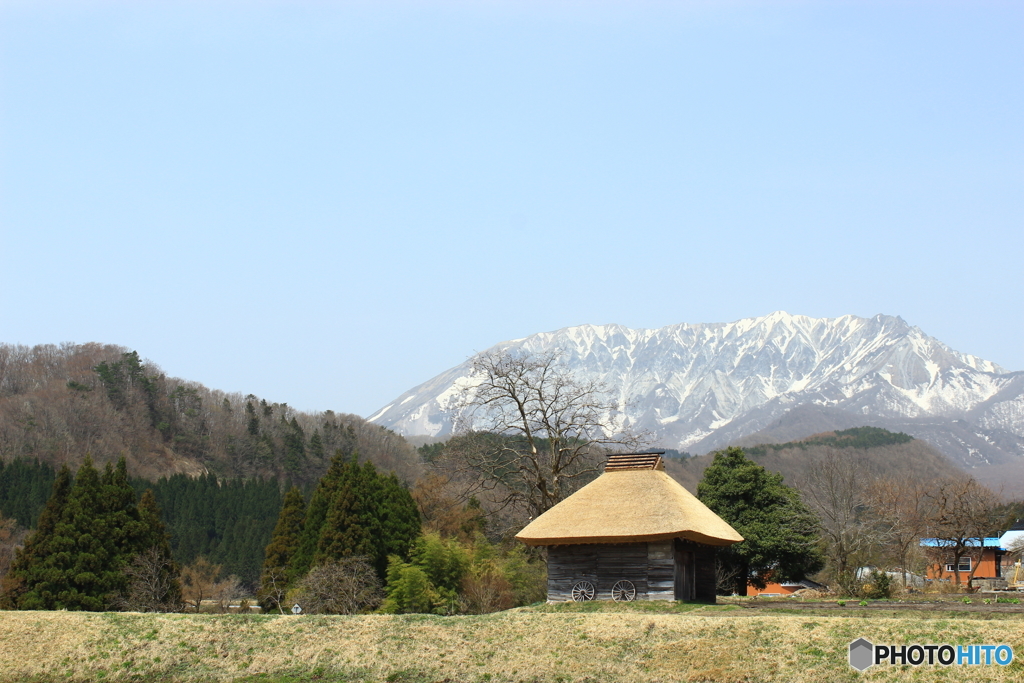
point(693, 643)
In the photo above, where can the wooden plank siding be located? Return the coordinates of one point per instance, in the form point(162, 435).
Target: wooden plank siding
point(651, 567)
point(661, 571)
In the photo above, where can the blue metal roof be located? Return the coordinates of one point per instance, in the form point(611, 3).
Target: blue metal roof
point(941, 543)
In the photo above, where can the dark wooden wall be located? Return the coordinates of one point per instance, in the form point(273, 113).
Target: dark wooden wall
point(600, 564)
point(650, 566)
point(704, 575)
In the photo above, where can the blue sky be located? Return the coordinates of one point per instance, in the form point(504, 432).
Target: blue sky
point(326, 204)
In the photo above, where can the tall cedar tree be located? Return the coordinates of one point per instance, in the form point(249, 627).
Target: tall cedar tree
point(127, 533)
point(281, 549)
point(352, 527)
point(98, 531)
point(780, 543)
point(400, 520)
point(316, 516)
point(356, 511)
point(69, 575)
point(37, 546)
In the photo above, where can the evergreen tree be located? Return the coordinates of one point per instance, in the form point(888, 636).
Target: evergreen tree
point(316, 447)
point(25, 486)
point(356, 511)
point(352, 526)
point(126, 532)
point(88, 534)
point(121, 377)
point(316, 515)
point(780, 543)
point(21, 579)
point(252, 420)
point(153, 575)
point(288, 530)
point(73, 573)
point(154, 533)
point(274, 579)
point(294, 445)
point(399, 519)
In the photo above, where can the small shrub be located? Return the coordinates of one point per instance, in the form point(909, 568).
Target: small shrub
point(880, 587)
point(841, 603)
point(409, 589)
point(486, 590)
point(345, 586)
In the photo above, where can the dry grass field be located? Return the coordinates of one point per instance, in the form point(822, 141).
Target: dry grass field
point(596, 642)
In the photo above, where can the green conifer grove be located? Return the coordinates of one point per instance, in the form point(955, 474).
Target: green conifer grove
point(88, 533)
point(355, 511)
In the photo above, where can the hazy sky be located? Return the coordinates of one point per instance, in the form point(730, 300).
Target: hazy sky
point(327, 203)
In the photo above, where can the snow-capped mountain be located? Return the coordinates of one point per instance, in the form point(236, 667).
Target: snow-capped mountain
point(700, 387)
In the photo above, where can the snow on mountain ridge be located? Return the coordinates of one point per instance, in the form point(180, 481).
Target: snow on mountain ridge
point(688, 382)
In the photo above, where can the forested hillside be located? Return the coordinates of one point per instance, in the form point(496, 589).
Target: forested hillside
point(879, 451)
point(217, 463)
point(25, 486)
point(229, 523)
point(58, 403)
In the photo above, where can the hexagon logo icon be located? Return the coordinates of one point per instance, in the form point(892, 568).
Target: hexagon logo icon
point(862, 654)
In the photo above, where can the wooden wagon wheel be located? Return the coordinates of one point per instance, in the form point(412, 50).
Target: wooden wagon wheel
point(624, 591)
point(583, 591)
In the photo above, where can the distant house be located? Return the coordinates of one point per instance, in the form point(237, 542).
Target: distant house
point(896, 576)
point(1013, 536)
point(634, 533)
point(987, 566)
point(773, 589)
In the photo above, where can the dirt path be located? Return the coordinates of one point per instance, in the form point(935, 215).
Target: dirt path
point(976, 606)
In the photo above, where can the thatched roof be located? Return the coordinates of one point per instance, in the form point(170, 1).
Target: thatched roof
point(633, 501)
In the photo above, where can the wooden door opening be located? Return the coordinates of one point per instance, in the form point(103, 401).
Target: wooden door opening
point(685, 585)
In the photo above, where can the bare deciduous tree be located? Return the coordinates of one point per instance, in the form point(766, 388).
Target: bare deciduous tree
point(900, 505)
point(440, 509)
point(345, 586)
point(226, 591)
point(836, 489)
point(726, 575)
point(964, 512)
point(199, 582)
point(485, 591)
point(152, 584)
point(275, 587)
point(544, 430)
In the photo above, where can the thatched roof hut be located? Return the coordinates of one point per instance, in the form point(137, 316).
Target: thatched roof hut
point(635, 525)
point(634, 500)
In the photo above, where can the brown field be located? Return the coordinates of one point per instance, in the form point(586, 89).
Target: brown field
point(595, 642)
